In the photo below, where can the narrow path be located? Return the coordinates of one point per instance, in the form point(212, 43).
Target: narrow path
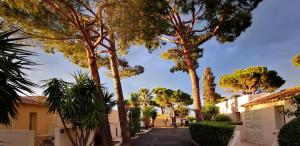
point(165, 137)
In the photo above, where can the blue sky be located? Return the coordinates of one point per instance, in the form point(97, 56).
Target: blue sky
point(271, 41)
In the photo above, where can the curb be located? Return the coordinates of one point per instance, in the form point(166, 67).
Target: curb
point(194, 143)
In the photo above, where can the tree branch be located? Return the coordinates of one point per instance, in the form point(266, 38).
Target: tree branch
point(204, 38)
point(49, 38)
point(169, 40)
point(83, 31)
point(87, 7)
point(101, 51)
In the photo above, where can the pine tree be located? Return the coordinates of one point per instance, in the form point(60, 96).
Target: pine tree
point(296, 61)
point(209, 86)
point(252, 80)
point(90, 34)
point(192, 23)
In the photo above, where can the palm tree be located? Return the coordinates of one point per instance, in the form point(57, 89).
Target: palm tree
point(145, 97)
point(79, 105)
point(153, 116)
point(134, 100)
point(147, 115)
point(13, 79)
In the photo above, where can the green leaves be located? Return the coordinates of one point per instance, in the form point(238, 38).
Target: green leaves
point(251, 80)
point(140, 25)
point(54, 89)
point(125, 70)
point(209, 86)
point(162, 96)
point(13, 79)
point(175, 55)
point(215, 133)
point(289, 133)
point(79, 103)
point(134, 120)
point(169, 98)
point(194, 22)
point(296, 61)
point(52, 26)
point(148, 113)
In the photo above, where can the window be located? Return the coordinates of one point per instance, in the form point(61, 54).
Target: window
point(32, 121)
point(279, 116)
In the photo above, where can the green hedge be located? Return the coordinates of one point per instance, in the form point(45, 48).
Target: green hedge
point(289, 134)
point(222, 118)
point(208, 133)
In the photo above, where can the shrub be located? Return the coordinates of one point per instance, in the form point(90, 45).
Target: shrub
point(134, 120)
point(210, 111)
point(222, 118)
point(208, 133)
point(191, 119)
point(295, 102)
point(289, 134)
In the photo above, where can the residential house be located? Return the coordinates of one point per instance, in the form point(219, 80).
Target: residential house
point(261, 115)
point(33, 116)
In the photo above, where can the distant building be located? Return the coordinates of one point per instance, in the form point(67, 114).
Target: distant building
point(261, 115)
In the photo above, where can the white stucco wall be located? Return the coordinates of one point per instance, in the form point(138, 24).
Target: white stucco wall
point(259, 121)
point(267, 120)
point(16, 138)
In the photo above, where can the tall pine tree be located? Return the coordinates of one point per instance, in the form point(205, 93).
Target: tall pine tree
point(209, 86)
point(194, 22)
point(91, 34)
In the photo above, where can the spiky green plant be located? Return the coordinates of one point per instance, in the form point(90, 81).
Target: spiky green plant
point(78, 105)
point(13, 80)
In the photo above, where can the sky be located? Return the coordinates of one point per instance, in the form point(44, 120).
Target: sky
point(272, 40)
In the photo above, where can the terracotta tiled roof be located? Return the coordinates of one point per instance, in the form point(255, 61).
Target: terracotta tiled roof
point(33, 100)
point(281, 95)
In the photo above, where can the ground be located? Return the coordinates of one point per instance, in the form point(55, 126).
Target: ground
point(165, 137)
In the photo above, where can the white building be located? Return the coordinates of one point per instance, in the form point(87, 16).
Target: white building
point(261, 115)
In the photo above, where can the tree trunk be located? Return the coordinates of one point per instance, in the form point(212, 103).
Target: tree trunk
point(114, 63)
point(104, 131)
point(195, 83)
point(153, 121)
point(181, 121)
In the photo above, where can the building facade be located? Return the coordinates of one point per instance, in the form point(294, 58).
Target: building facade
point(261, 115)
point(33, 117)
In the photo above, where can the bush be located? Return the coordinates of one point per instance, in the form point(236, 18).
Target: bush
point(295, 101)
point(222, 118)
point(208, 133)
point(191, 119)
point(289, 134)
point(210, 111)
point(134, 121)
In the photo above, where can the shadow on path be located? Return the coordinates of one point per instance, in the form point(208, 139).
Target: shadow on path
point(165, 137)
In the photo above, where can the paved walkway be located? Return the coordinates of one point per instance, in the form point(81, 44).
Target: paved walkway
point(245, 143)
point(165, 137)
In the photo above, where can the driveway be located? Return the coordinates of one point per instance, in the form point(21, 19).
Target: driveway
point(165, 137)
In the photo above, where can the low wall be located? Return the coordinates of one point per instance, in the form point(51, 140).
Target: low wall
point(236, 139)
point(16, 138)
point(241, 128)
point(62, 139)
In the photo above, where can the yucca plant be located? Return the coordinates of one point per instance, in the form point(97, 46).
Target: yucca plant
point(13, 80)
point(78, 105)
